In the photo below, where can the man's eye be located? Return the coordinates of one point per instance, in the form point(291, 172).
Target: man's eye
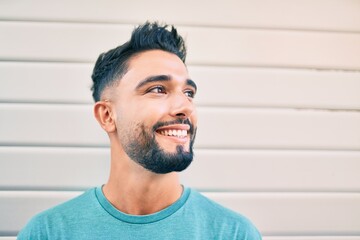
point(190, 93)
point(157, 89)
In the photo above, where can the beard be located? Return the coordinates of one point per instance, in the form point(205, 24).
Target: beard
point(142, 147)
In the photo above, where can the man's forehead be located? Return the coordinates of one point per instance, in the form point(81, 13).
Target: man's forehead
point(156, 58)
point(155, 63)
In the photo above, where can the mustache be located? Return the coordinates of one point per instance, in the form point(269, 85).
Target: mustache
point(176, 121)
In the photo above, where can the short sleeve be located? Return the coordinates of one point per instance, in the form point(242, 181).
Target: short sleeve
point(34, 230)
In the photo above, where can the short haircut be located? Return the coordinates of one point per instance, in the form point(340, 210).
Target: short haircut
point(111, 66)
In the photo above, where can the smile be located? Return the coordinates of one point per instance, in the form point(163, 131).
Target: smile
point(174, 132)
point(178, 131)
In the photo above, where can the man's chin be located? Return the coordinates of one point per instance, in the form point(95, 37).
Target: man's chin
point(176, 149)
point(173, 147)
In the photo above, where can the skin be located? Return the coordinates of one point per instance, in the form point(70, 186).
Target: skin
point(134, 101)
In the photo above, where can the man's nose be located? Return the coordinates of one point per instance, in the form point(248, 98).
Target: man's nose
point(181, 106)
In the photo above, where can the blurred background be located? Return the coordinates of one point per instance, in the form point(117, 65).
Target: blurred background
point(278, 102)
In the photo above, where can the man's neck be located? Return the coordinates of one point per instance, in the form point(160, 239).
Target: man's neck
point(134, 190)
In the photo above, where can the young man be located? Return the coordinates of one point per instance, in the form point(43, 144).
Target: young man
point(144, 101)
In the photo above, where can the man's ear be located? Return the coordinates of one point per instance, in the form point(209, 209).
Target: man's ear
point(104, 115)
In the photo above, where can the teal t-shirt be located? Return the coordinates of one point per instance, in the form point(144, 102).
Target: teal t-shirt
point(91, 216)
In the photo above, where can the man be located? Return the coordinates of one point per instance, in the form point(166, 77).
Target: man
point(144, 101)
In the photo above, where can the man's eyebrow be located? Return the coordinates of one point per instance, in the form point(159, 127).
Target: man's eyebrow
point(191, 83)
point(156, 78)
point(163, 78)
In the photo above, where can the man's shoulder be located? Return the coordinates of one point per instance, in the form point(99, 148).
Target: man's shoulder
point(225, 220)
point(205, 203)
point(56, 216)
point(70, 207)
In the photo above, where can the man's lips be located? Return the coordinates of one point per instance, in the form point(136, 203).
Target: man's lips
point(176, 130)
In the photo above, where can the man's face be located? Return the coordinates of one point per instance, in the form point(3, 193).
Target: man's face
point(155, 114)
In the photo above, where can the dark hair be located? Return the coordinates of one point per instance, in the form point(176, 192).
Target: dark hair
point(112, 65)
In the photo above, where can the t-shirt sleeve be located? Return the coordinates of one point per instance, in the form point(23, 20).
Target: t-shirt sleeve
point(34, 230)
point(253, 234)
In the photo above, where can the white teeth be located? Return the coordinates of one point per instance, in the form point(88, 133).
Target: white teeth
point(176, 133)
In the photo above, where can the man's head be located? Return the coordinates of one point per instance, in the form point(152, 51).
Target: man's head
point(112, 65)
point(144, 99)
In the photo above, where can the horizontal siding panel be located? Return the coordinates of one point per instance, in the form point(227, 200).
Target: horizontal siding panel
point(259, 87)
point(300, 213)
point(218, 86)
point(302, 171)
point(278, 129)
point(273, 213)
point(50, 125)
point(58, 41)
point(45, 82)
point(240, 170)
point(53, 168)
point(322, 15)
point(74, 125)
point(290, 49)
point(246, 47)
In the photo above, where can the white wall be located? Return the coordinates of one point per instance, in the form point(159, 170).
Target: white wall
point(279, 106)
